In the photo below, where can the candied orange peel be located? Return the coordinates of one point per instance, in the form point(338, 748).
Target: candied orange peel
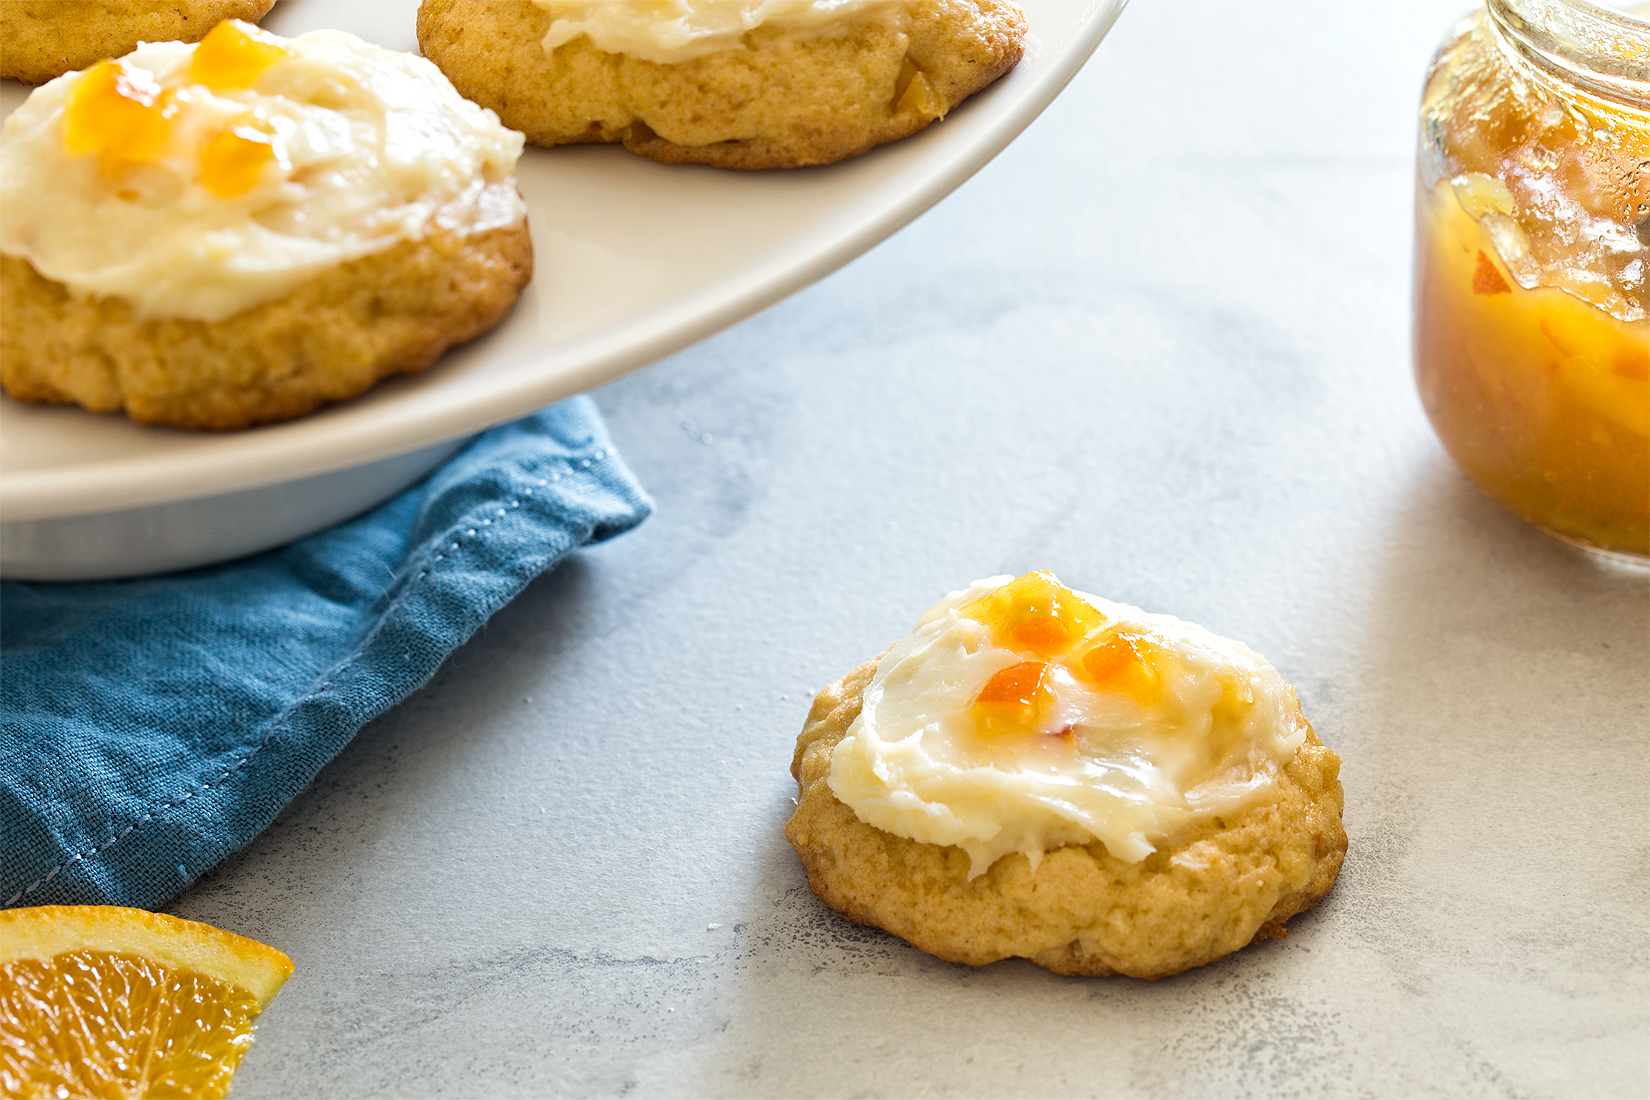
point(1014, 701)
point(234, 55)
point(1124, 660)
point(118, 111)
point(1036, 614)
point(232, 160)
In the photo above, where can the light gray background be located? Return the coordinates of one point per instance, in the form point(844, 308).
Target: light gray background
point(1159, 346)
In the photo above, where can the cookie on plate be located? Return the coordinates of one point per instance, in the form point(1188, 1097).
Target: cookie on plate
point(1034, 772)
point(742, 84)
point(234, 233)
point(47, 38)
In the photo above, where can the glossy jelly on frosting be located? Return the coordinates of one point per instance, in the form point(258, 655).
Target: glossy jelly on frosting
point(195, 181)
point(672, 31)
point(1020, 716)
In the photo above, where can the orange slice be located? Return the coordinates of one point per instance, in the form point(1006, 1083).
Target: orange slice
point(99, 1001)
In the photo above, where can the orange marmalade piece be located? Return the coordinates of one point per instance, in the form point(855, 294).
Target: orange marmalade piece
point(116, 111)
point(1014, 701)
point(232, 161)
point(1124, 660)
point(1236, 700)
point(234, 55)
point(1035, 613)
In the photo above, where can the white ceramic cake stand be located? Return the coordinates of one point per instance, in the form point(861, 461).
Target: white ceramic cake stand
point(634, 260)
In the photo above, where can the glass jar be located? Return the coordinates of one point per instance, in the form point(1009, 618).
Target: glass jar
point(1532, 263)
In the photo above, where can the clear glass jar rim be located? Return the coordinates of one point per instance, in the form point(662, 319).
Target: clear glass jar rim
point(1605, 51)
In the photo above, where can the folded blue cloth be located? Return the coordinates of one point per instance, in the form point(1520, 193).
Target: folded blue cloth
point(148, 728)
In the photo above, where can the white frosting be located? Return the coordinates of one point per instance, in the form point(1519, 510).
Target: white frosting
point(670, 31)
point(371, 147)
point(1129, 775)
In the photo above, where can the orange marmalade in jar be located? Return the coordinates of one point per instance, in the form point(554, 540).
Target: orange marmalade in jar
point(1532, 263)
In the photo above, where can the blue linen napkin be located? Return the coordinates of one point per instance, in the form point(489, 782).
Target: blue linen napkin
point(151, 727)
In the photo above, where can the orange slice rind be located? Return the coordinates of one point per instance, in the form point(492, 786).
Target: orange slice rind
point(105, 1001)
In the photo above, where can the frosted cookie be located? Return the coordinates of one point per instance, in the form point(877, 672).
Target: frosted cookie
point(1040, 773)
point(47, 38)
point(232, 233)
point(730, 83)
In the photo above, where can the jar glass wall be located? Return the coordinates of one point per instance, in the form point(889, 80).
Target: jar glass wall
point(1532, 343)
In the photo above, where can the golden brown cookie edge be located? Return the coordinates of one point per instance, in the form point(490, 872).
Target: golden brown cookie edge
point(520, 70)
point(1311, 777)
point(329, 339)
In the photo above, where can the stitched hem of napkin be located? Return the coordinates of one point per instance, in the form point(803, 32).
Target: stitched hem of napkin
point(415, 585)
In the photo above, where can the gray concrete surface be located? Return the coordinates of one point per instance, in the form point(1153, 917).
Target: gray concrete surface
point(1159, 346)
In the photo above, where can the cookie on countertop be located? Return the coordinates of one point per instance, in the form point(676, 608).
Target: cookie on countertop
point(235, 233)
point(743, 84)
point(47, 38)
point(1039, 773)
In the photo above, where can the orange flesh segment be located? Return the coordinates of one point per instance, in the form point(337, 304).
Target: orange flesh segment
point(101, 1023)
point(232, 161)
point(1122, 662)
point(115, 110)
point(234, 55)
point(1035, 613)
point(1015, 700)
